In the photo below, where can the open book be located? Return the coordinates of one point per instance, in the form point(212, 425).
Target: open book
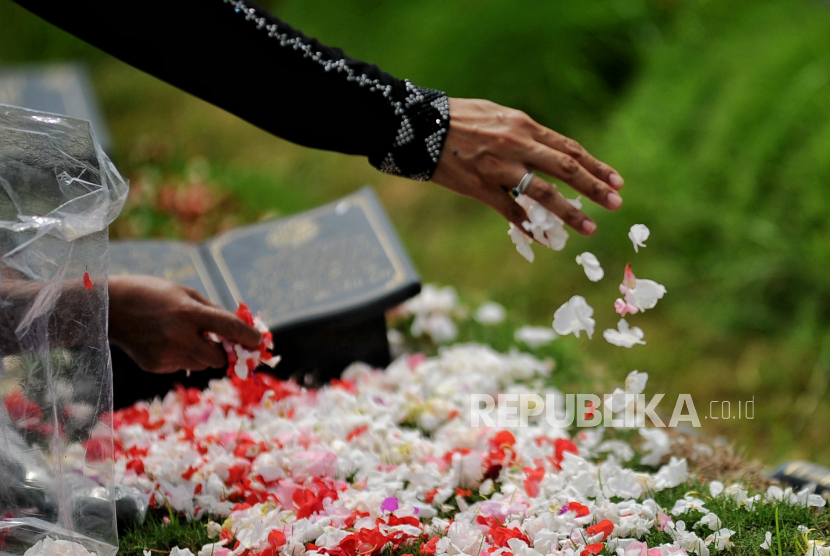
point(321, 280)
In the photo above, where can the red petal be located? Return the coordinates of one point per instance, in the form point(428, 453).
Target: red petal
point(595, 548)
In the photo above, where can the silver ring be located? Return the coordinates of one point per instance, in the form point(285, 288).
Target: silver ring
point(523, 185)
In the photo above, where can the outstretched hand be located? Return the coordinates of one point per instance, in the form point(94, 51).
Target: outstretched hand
point(161, 325)
point(490, 147)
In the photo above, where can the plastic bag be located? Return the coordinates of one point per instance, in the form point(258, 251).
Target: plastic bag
point(58, 194)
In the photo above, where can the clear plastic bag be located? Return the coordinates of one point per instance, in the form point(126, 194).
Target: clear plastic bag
point(58, 194)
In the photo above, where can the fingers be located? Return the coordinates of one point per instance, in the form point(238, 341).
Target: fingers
point(196, 296)
point(548, 196)
point(489, 147)
point(573, 149)
point(170, 364)
point(228, 326)
point(569, 170)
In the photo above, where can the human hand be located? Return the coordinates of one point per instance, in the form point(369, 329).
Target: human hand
point(490, 147)
point(161, 325)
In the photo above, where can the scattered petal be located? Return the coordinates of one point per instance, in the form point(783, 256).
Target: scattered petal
point(636, 382)
point(573, 317)
point(521, 241)
point(638, 234)
point(87, 281)
point(589, 262)
point(767, 541)
point(534, 336)
point(639, 295)
point(490, 313)
point(390, 504)
point(624, 336)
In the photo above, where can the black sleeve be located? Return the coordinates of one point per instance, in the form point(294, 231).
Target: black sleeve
point(241, 58)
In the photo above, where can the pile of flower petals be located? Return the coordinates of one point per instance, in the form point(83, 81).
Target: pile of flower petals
point(385, 459)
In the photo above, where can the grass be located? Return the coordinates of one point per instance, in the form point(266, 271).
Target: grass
point(160, 536)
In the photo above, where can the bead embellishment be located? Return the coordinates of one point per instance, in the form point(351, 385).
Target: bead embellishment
point(424, 113)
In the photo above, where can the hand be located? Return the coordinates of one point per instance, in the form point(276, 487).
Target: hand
point(489, 148)
point(161, 325)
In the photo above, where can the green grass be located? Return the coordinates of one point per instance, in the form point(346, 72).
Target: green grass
point(750, 526)
point(160, 537)
point(716, 114)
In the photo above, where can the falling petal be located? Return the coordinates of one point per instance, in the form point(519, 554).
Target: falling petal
point(638, 234)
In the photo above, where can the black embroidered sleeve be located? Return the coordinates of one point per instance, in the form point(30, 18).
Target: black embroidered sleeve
point(420, 137)
point(241, 58)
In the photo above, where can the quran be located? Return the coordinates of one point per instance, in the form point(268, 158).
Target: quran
point(321, 280)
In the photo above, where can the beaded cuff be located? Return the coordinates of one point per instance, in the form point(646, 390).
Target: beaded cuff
point(425, 120)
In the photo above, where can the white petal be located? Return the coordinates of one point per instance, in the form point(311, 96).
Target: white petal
point(646, 293)
point(438, 325)
point(432, 299)
point(624, 336)
point(573, 317)
point(547, 228)
point(816, 501)
point(638, 234)
point(534, 336)
point(589, 262)
point(616, 400)
point(521, 241)
point(490, 313)
point(635, 382)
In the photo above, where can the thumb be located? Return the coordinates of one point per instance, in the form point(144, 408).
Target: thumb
point(228, 326)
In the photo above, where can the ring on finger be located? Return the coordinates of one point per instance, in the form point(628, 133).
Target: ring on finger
point(523, 185)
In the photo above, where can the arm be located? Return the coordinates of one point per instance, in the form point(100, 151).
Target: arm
point(246, 61)
point(243, 59)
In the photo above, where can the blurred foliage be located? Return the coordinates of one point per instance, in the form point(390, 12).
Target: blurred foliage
point(716, 114)
point(727, 138)
point(562, 62)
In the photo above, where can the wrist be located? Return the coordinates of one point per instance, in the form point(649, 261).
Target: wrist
point(419, 140)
